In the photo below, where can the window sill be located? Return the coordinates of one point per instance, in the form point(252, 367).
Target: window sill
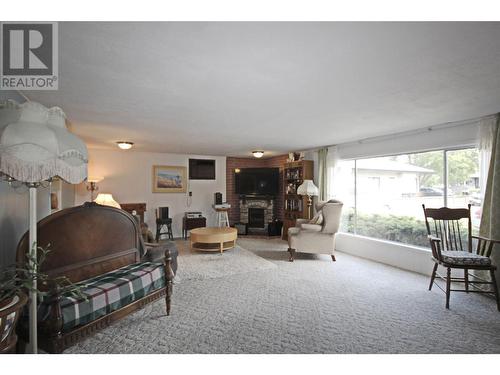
point(415, 248)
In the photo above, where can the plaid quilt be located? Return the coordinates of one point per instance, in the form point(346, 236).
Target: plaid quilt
point(109, 292)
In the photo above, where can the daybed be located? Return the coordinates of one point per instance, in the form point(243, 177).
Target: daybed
point(100, 249)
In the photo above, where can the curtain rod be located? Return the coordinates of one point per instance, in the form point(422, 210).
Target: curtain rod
point(443, 125)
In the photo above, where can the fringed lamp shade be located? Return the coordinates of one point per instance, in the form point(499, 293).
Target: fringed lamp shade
point(36, 146)
point(308, 188)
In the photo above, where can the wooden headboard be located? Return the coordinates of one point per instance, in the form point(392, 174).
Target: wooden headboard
point(86, 241)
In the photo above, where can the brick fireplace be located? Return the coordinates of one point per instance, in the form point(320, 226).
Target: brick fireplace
point(256, 212)
point(234, 199)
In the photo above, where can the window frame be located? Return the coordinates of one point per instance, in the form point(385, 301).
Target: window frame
point(445, 171)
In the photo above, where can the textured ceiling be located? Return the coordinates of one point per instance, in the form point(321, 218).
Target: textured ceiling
point(228, 88)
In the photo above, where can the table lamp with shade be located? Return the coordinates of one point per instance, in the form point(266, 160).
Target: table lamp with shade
point(106, 199)
point(35, 147)
point(310, 190)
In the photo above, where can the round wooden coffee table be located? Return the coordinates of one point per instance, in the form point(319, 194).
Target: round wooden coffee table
point(213, 239)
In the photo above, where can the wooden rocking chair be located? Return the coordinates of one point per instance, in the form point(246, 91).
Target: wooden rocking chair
point(452, 248)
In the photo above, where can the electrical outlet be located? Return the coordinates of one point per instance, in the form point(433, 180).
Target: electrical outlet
point(190, 193)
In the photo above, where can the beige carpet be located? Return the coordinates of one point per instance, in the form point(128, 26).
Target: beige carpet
point(312, 305)
point(198, 265)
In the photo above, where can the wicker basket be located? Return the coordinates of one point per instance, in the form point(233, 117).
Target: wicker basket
point(9, 315)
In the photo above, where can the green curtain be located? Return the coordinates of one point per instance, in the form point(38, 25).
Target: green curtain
point(323, 174)
point(490, 218)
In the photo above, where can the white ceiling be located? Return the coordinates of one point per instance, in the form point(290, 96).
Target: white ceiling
point(228, 88)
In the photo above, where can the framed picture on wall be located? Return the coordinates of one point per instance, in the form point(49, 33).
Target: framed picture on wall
point(169, 179)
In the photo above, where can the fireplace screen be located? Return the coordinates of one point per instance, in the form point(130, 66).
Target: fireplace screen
point(256, 217)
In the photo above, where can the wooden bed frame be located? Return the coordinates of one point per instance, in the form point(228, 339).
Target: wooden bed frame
point(84, 242)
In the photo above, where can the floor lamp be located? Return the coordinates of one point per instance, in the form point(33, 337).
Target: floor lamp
point(36, 146)
point(310, 190)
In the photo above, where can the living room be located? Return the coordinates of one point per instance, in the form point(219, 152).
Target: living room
point(247, 188)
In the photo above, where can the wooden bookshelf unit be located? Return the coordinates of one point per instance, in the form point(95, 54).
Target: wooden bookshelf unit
point(295, 206)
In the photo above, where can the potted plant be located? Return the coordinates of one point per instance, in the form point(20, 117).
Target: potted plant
point(15, 283)
point(10, 310)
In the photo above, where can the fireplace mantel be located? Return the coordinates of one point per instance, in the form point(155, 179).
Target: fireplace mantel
point(255, 202)
point(257, 197)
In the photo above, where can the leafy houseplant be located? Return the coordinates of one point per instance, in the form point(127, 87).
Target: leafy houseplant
point(15, 282)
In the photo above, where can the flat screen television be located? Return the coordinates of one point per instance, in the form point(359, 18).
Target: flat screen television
point(201, 169)
point(257, 181)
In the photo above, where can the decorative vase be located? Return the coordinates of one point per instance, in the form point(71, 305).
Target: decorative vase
point(10, 310)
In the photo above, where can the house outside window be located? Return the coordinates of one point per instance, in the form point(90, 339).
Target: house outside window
point(383, 196)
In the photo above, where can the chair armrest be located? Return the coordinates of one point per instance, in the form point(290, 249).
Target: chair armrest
point(481, 238)
point(312, 227)
point(300, 222)
point(157, 253)
point(485, 245)
point(151, 244)
point(435, 246)
point(434, 238)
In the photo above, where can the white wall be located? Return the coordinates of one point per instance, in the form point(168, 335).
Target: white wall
point(14, 217)
point(13, 221)
point(403, 256)
point(128, 176)
point(407, 257)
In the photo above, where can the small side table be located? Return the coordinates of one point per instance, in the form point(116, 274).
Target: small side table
point(189, 223)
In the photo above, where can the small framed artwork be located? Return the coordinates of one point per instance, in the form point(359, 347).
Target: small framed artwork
point(169, 179)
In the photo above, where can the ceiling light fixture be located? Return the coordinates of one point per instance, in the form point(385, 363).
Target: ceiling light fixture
point(258, 154)
point(125, 145)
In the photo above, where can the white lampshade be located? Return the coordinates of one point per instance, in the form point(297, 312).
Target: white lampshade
point(35, 145)
point(106, 200)
point(308, 188)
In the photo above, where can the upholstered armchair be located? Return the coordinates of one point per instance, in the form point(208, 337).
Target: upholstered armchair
point(319, 238)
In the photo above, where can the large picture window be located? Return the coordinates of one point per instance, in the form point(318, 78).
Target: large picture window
point(383, 196)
